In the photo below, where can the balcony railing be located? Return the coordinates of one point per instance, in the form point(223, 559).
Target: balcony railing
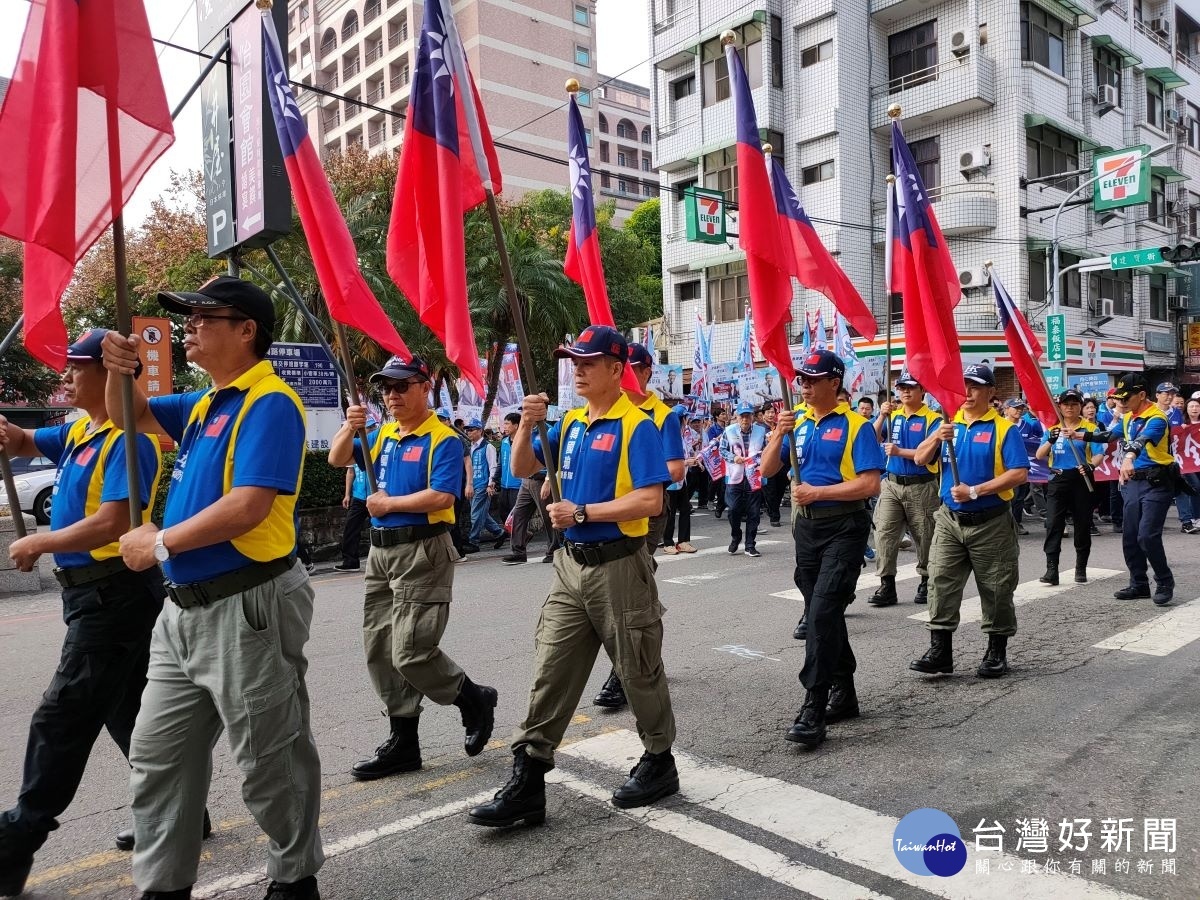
point(400, 79)
point(329, 83)
point(377, 135)
point(350, 69)
point(674, 125)
point(397, 36)
point(1162, 40)
point(331, 120)
point(375, 93)
point(328, 47)
point(1184, 60)
point(668, 22)
point(375, 53)
point(371, 13)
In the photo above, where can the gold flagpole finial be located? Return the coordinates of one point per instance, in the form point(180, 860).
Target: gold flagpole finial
point(891, 179)
point(728, 37)
point(572, 85)
point(767, 149)
point(264, 4)
point(894, 111)
point(988, 264)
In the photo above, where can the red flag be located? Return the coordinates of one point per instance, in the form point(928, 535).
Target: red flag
point(767, 257)
point(84, 65)
point(335, 258)
point(923, 272)
point(439, 180)
point(1025, 350)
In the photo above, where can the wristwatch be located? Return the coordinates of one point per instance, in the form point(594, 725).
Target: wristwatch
point(161, 553)
point(580, 515)
point(972, 493)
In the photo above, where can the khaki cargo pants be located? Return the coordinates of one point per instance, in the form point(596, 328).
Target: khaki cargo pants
point(408, 589)
point(614, 605)
point(990, 551)
point(236, 665)
point(901, 505)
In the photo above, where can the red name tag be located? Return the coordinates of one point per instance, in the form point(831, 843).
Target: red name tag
point(216, 426)
point(412, 454)
point(833, 434)
point(982, 437)
point(603, 442)
point(85, 456)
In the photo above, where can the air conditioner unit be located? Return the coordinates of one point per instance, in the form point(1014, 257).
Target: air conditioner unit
point(1179, 207)
point(1104, 307)
point(1177, 301)
point(1174, 117)
point(1160, 24)
point(960, 44)
point(974, 158)
point(973, 278)
point(1187, 123)
point(1110, 95)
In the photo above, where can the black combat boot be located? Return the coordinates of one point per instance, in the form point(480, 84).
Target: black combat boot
point(124, 839)
point(1133, 592)
point(1164, 592)
point(1081, 561)
point(1051, 576)
point(653, 778)
point(922, 592)
point(612, 695)
point(17, 846)
point(523, 799)
point(809, 728)
point(801, 632)
point(401, 752)
point(886, 595)
point(995, 660)
point(477, 703)
point(843, 702)
point(939, 658)
point(304, 889)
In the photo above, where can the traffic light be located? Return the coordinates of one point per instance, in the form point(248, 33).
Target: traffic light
point(1180, 254)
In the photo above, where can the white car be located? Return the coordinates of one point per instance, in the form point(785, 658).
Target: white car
point(34, 479)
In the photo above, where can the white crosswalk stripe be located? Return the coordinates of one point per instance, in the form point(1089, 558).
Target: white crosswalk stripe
point(841, 830)
point(1160, 636)
point(1026, 592)
point(866, 582)
point(709, 551)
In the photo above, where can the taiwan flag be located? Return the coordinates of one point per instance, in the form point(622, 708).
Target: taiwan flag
point(447, 166)
point(1026, 351)
point(335, 258)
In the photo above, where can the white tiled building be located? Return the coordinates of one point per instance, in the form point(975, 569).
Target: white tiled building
point(998, 97)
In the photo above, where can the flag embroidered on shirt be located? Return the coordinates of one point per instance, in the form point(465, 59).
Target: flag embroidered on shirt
point(982, 437)
point(216, 426)
point(833, 434)
point(85, 456)
point(411, 454)
point(916, 426)
point(604, 441)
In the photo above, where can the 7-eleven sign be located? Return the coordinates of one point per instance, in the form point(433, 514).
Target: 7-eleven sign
point(1122, 178)
point(705, 213)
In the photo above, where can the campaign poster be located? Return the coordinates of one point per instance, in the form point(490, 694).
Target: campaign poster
point(509, 392)
point(567, 398)
point(667, 382)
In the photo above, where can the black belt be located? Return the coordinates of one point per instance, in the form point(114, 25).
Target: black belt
point(604, 551)
point(1145, 474)
point(77, 576)
point(202, 593)
point(406, 534)
point(979, 517)
point(831, 511)
point(911, 479)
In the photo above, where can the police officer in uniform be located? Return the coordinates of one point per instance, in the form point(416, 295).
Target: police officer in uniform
point(670, 431)
point(1148, 485)
point(228, 650)
point(1068, 491)
point(908, 496)
point(109, 610)
point(974, 530)
point(410, 567)
point(840, 463)
point(612, 472)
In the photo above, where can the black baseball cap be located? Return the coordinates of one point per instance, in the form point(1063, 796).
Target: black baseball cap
point(1070, 395)
point(596, 341)
point(398, 367)
point(906, 379)
point(87, 348)
point(640, 356)
point(1130, 383)
point(978, 373)
point(223, 292)
point(822, 364)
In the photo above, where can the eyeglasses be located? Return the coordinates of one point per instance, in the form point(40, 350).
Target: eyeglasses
point(195, 320)
point(399, 387)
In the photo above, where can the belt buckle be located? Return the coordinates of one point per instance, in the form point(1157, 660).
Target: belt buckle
point(592, 556)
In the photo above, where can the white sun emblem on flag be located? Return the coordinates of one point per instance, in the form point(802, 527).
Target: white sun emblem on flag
point(286, 101)
point(438, 62)
point(578, 165)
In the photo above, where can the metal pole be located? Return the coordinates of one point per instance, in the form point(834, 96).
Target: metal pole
point(792, 457)
point(12, 334)
point(10, 488)
point(208, 67)
point(887, 289)
point(352, 387)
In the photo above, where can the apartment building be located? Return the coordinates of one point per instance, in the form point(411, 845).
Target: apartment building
point(521, 53)
point(1004, 104)
point(623, 160)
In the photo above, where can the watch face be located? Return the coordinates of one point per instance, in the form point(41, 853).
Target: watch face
point(580, 515)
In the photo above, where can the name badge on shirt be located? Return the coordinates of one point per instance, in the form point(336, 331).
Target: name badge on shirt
point(216, 426)
point(604, 441)
point(411, 454)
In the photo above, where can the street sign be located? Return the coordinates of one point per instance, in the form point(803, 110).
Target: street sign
point(1092, 384)
point(308, 371)
point(1122, 178)
point(1132, 259)
point(1056, 338)
point(1054, 380)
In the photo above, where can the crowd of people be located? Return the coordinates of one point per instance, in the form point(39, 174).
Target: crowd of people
point(182, 629)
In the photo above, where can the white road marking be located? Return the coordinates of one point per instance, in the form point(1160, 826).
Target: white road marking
point(841, 830)
point(352, 842)
point(744, 652)
point(1026, 592)
point(866, 582)
point(708, 551)
point(737, 850)
point(1161, 635)
point(701, 577)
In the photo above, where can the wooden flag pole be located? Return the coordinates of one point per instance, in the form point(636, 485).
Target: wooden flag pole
point(887, 292)
point(352, 386)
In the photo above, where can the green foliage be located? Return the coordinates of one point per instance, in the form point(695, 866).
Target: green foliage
point(646, 225)
point(22, 378)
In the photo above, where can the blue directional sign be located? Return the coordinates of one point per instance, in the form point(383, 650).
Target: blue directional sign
point(309, 372)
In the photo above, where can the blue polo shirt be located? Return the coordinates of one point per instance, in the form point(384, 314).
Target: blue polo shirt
point(1062, 457)
point(907, 432)
point(1152, 428)
point(91, 471)
point(668, 422)
point(602, 460)
point(428, 457)
point(833, 449)
point(249, 434)
point(986, 449)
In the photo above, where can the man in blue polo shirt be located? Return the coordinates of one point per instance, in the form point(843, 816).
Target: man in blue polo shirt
point(504, 484)
point(228, 651)
point(109, 610)
point(611, 467)
point(410, 568)
point(974, 530)
point(839, 467)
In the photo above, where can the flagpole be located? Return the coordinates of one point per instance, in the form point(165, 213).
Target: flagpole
point(889, 208)
point(785, 388)
point(10, 487)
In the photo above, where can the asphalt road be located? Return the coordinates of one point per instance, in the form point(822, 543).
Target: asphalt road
point(1078, 731)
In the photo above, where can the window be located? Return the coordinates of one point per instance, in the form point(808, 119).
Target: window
point(604, 180)
point(715, 73)
point(927, 154)
point(810, 56)
point(688, 292)
point(1158, 297)
point(1155, 105)
point(582, 16)
point(720, 172)
point(1116, 286)
point(622, 186)
point(1107, 65)
point(621, 160)
point(1193, 126)
point(728, 292)
point(649, 189)
point(912, 56)
point(1193, 214)
point(583, 56)
point(1157, 213)
point(678, 191)
point(1050, 152)
point(604, 151)
point(819, 172)
point(626, 129)
point(776, 52)
point(588, 134)
point(350, 25)
point(584, 98)
point(645, 164)
point(1042, 38)
point(683, 87)
point(645, 134)
point(603, 124)
point(328, 41)
point(303, 12)
point(1039, 278)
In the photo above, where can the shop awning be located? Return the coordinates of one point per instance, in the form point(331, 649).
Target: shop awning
point(1081, 11)
point(1168, 174)
point(1128, 57)
point(1168, 77)
point(1033, 120)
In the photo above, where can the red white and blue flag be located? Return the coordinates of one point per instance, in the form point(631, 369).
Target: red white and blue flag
point(335, 258)
point(701, 360)
point(924, 274)
point(1026, 351)
point(768, 259)
point(446, 168)
point(813, 266)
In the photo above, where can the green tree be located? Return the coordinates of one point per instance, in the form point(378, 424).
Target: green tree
point(23, 379)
